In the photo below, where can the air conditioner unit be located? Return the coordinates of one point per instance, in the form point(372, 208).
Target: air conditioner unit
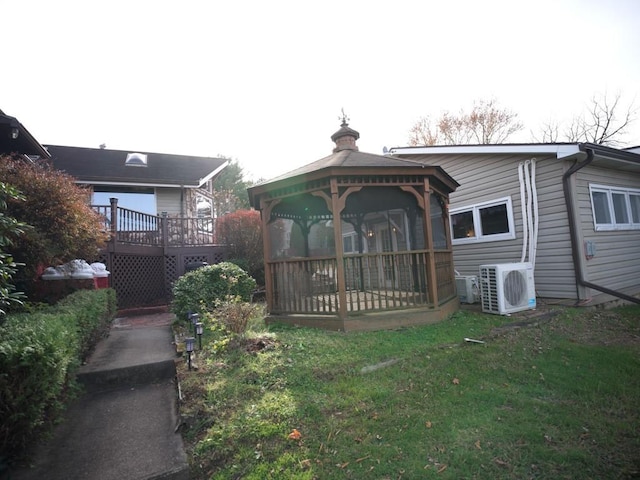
point(468, 289)
point(507, 287)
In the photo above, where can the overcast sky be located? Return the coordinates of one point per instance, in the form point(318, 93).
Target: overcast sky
point(264, 82)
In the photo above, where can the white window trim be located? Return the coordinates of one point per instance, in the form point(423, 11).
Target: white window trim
point(354, 242)
point(475, 208)
point(609, 190)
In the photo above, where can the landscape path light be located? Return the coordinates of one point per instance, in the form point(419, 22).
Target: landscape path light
point(195, 319)
point(199, 332)
point(189, 343)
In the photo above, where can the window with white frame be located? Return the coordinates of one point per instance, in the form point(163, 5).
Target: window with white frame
point(615, 208)
point(483, 222)
point(350, 242)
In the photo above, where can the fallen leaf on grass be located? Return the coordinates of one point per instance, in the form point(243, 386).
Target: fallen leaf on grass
point(456, 381)
point(428, 424)
point(477, 444)
point(500, 462)
point(305, 463)
point(295, 435)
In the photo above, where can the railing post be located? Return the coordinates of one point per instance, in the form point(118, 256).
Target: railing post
point(114, 220)
point(164, 227)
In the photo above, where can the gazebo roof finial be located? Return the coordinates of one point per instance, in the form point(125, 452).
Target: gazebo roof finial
point(344, 118)
point(345, 138)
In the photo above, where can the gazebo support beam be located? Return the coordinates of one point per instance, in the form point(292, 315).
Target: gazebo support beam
point(337, 205)
point(432, 278)
point(265, 215)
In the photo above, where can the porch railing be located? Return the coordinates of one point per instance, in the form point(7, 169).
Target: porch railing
point(138, 228)
point(374, 282)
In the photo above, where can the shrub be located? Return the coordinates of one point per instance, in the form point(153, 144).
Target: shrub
point(10, 228)
point(38, 352)
point(93, 311)
point(204, 288)
point(229, 321)
point(65, 226)
point(235, 314)
point(241, 233)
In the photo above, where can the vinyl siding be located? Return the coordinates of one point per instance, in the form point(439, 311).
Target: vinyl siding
point(489, 177)
point(168, 200)
point(616, 264)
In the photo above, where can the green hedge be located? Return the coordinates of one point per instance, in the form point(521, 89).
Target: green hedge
point(38, 352)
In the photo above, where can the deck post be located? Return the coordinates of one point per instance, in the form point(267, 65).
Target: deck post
point(114, 222)
point(164, 229)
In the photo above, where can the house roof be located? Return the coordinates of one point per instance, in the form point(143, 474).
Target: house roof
point(350, 159)
point(15, 138)
point(620, 159)
point(107, 167)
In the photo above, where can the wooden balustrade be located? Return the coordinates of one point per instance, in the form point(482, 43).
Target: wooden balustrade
point(374, 282)
point(138, 228)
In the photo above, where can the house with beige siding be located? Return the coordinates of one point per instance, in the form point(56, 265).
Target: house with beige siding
point(152, 183)
point(571, 209)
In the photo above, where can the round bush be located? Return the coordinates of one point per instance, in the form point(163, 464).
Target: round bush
point(200, 290)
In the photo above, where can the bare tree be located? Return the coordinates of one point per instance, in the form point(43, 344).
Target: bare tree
point(485, 123)
point(424, 132)
point(604, 122)
point(549, 133)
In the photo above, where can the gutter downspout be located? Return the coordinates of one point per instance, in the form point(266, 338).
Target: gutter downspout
point(573, 230)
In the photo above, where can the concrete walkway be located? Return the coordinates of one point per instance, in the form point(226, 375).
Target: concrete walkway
point(124, 426)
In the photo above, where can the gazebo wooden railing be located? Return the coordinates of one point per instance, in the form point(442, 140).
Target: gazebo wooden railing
point(375, 282)
point(138, 228)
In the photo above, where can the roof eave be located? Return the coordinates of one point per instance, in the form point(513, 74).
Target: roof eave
point(35, 148)
point(562, 150)
point(442, 176)
point(135, 184)
point(213, 174)
point(611, 153)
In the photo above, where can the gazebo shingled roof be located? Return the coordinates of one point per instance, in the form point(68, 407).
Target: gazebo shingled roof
point(339, 195)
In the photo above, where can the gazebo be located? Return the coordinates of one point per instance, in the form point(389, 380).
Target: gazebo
point(356, 241)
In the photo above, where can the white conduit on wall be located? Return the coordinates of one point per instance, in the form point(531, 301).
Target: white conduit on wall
point(534, 195)
point(527, 184)
point(529, 207)
point(525, 232)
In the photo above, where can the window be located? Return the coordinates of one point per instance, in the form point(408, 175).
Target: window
point(350, 243)
point(138, 199)
point(615, 208)
point(483, 222)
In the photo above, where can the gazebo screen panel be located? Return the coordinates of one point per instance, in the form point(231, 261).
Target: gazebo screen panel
point(374, 199)
point(304, 207)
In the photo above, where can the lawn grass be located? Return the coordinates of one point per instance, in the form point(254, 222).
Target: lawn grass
point(554, 399)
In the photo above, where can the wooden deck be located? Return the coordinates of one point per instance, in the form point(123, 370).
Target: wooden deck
point(137, 228)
